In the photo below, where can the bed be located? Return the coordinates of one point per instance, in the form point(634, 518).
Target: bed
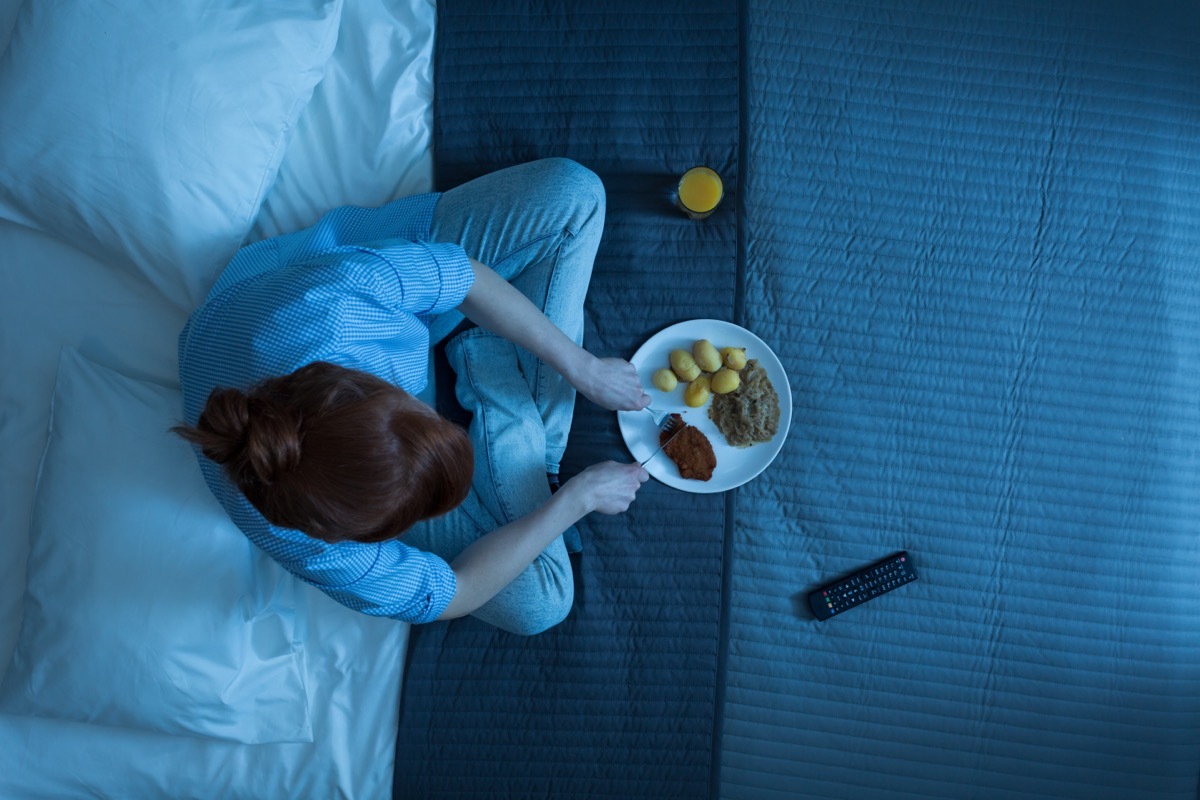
point(159, 656)
point(969, 232)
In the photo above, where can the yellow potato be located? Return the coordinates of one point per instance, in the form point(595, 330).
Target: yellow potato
point(725, 381)
point(697, 392)
point(707, 357)
point(684, 365)
point(665, 380)
point(733, 357)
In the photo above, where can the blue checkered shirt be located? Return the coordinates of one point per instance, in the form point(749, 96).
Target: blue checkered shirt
point(357, 289)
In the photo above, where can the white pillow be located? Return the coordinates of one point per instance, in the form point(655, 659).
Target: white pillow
point(145, 606)
point(148, 132)
point(366, 137)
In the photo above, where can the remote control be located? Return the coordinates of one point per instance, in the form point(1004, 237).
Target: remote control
point(866, 584)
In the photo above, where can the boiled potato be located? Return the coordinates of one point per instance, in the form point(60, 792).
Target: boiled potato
point(725, 381)
point(684, 365)
point(733, 357)
point(697, 392)
point(707, 357)
point(665, 380)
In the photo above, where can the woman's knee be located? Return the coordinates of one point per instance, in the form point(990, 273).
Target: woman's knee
point(544, 619)
point(576, 175)
point(580, 188)
point(549, 607)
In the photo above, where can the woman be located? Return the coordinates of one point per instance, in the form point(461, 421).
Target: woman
point(299, 372)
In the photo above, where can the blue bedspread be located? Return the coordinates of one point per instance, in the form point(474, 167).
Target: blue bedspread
point(619, 700)
point(971, 232)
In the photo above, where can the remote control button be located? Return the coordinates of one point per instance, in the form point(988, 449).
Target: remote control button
point(850, 591)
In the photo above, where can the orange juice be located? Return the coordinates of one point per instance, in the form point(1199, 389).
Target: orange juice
point(700, 191)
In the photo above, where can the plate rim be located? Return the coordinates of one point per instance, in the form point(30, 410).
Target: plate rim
point(705, 487)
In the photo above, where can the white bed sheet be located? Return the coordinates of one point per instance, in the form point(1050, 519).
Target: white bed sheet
point(364, 139)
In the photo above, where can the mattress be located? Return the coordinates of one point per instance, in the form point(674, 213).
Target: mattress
point(618, 700)
point(971, 228)
point(968, 231)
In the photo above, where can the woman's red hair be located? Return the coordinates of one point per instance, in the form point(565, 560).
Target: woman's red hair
point(339, 454)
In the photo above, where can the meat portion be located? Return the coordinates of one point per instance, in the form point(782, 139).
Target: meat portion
point(690, 450)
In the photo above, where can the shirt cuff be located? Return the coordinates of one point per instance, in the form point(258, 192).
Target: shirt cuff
point(426, 279)
point(456, 274)
point(438, 599)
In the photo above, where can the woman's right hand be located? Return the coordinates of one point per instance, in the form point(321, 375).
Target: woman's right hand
point(608, 487)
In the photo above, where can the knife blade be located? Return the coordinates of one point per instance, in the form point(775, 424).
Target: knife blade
point(664, 444)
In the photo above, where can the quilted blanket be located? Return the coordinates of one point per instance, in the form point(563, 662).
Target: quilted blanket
point(971, 233)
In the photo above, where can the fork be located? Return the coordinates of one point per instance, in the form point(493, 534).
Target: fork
point(666, 422)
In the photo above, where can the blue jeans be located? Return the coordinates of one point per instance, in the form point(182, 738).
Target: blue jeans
point(538, 226)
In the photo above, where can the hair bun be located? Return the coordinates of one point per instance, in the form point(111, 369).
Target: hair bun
point(221, 430)
point(272, 439)
point(252, 437)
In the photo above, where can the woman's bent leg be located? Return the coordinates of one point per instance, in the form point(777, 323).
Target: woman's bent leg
point(509, 483)
point(539, 598)
point(537, 225)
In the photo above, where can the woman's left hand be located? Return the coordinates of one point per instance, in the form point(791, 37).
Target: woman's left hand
point(493, 304)
point(612, 383)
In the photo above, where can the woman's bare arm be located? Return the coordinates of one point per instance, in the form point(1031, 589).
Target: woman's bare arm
point(493, 304)
point(493, 561)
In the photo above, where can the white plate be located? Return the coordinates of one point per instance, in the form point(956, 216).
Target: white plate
point(735, 465)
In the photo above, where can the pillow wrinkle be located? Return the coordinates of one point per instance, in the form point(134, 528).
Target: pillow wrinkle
point(153, 133)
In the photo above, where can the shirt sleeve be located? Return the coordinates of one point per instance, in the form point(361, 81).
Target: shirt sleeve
point(386, 579)
point(402, 583)
point(414, 277)
point(429, 278)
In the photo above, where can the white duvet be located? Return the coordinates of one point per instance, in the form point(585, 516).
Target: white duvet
point(363, 137)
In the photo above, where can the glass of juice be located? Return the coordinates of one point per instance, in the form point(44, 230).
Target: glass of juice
point(700, 191)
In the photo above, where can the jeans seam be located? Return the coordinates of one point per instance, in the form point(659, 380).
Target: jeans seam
point(551, 285)
point(563, 234)
point(482, 526)
point(536, 387)
point(493, 474)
